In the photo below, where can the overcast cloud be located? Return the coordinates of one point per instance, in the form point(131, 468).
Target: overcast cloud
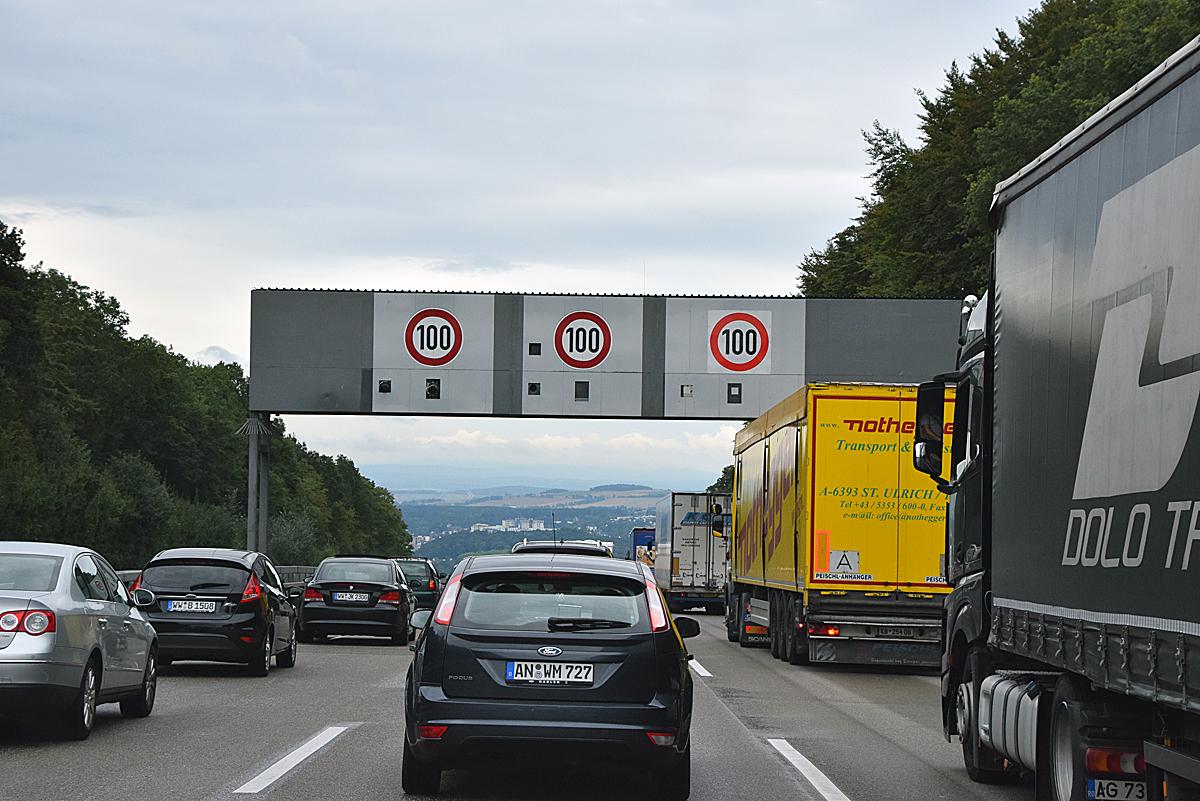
point(178, 155)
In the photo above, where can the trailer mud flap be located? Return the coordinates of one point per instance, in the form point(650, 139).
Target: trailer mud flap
point(875, 652)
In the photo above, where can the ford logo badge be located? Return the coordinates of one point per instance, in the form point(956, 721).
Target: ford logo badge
point(549, 650)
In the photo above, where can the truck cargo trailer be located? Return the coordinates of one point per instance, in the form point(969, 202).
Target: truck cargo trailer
point(837, 540)
point(1072, 645)
point(690, 550)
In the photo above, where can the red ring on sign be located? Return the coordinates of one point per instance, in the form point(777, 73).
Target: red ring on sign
point(412, 327)
point(739, 317)
point(605, 347)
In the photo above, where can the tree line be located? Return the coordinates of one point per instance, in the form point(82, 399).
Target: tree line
point(120, 444)
point(923, 230)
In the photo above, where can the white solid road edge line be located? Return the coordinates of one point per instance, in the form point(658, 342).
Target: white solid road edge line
point(828, 790)
point(272, 774)
point(699, 668)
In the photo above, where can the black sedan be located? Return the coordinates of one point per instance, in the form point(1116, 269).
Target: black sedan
point(541, 654)
point(356, 595)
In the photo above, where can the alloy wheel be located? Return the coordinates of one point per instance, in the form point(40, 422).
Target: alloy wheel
point(89, 696)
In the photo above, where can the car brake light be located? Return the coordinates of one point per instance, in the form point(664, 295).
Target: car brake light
point(433, 584)
point(445, 608)
point(312, 594)
point(431, 732)
point(137, 583)
point(1115, 761)
point(658, 615)
point(390, 597)
point(661, 737)
point(824, 630)
point(253, 590)
point(34, 623)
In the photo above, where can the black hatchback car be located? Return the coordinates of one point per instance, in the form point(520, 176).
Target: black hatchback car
point(539, 653)
point(422, 579)
point(357, 595)
point(220, 605)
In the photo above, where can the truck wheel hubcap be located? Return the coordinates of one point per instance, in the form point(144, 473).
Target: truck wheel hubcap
point(962, 711)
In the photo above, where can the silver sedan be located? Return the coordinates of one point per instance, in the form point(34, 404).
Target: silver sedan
point(71, 637)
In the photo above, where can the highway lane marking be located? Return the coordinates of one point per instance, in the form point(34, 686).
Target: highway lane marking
point(700, 669)
point(277, 771)
point(820, 782)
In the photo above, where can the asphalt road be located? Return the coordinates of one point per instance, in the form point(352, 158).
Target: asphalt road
point(761, 727)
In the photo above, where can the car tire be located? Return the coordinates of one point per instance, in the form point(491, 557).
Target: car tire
point(260, 665)
point(287, 659)
point(76, 721)
point(675, 783)
point(418, 777)
point(140, 705)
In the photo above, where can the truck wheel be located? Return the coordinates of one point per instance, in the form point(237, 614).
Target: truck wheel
point(797, 651)
point(732, 622)
point(974, 752)
point(776, 627)
point(1067, 780)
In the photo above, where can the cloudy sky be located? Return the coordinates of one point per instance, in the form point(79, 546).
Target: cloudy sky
point(177, 155)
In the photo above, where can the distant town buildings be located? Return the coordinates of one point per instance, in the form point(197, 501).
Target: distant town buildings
point(512, 524)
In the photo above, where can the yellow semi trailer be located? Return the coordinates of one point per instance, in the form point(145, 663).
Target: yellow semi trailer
point(837, 542)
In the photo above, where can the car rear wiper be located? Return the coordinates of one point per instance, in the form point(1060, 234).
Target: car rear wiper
point(578, 623)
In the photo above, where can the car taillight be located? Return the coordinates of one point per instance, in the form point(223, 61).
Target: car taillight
point(433, 584)
point(431, 732)
point(658, 614)
point(253, 590)
point(312, 594)
point(137, 583)
point(1115, 761)
point(390, 597)
point(35, 622)
point(824, 630)
point(445, 608)
point(661, 737)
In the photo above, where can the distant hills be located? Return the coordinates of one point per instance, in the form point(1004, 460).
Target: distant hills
point(530, 499)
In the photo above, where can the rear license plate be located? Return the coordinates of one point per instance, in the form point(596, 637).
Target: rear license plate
point(895, 631)
point(191, 606)
point(548, 673)
point(1116, 789)
point(361, 597)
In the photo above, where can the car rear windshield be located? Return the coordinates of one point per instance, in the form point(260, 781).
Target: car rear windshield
point(195, 577)
point(375, 572)
point(529, 602)
point(416, 572)
point(29, 572)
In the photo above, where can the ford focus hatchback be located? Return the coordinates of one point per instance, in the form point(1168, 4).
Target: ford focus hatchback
point(544, 653)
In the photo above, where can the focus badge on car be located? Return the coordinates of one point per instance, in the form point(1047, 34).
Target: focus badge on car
point(549, 650)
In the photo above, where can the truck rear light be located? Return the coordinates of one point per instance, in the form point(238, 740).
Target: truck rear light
point(390, 597)
point(34, 622)
point(312, 594)
point(658, 614)
point(661, 737)
point(253, 590)
point(823, 630)
point(445, 607)
point(431, 732)
point(1115, 762)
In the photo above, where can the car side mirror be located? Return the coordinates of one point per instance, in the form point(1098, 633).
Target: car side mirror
point(929, 428)
point(687, 627)
point(308, 578)
point(420, 618)
point(143, 598)
point(443, 575)
point(295, 593)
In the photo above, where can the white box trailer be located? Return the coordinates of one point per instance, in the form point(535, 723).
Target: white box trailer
point(691, 544)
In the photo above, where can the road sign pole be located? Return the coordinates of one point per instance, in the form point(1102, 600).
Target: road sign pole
point(252, 484)
point(264, 488)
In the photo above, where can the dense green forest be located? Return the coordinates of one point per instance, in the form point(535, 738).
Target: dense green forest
point(923, 230)
point(122, 445)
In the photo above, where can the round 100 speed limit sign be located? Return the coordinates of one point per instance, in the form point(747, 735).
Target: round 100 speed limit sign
point(433, 337)
point(582, 339)
point(739, 341)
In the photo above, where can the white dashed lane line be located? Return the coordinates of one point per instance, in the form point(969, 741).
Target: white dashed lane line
point(700, 669)
point(277, 771)
point(820, 782)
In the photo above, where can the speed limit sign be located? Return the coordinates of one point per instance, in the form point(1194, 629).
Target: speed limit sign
point(433, 337)
point(582, 339)
point(739, 341)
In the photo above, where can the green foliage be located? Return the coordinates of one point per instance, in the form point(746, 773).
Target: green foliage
point(724, 484)
point(923, 231)
point(122, 445)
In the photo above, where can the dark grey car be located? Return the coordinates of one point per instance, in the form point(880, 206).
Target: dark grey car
point(71, 637)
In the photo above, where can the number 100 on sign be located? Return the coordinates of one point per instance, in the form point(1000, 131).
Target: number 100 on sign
point(433, 337)
point(739, 342)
